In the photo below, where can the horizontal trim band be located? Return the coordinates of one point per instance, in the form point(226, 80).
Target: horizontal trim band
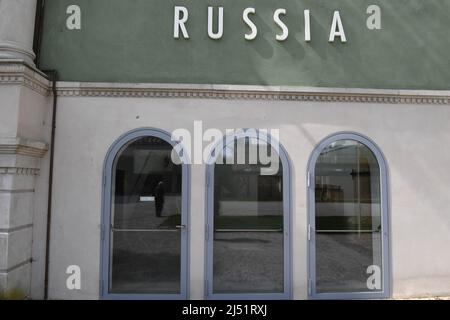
point(238, 92)
point(17, 266)
point(20, 171)
point(15, 229)
point(16, 72)
point(24, 147)
point(17, 191)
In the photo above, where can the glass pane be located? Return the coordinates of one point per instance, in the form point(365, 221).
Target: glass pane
point(248, 225)
point(146, 208)
point(348, 219)
point(146, 262)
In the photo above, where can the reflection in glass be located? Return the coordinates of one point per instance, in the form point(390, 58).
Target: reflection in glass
point(348, 219)
point(248, 225)
point(146, 208)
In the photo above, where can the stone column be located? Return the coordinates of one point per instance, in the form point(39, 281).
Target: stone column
point(17, 18)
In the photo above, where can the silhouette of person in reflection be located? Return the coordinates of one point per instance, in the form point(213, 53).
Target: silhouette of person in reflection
point(159, 198)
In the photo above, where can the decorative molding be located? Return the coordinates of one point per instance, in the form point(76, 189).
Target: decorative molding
point(15, 229)
point(20, 191)
point(20, 171)
point(17, 72)
point(22, 150)
point(230, 92)
point(23, 147)
point(15, 50)
point(17, 266)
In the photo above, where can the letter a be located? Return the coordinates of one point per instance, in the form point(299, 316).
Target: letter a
point(374, 280)
point(374, 20)
point(73, 282)
point(73, 22)
point(337, 30)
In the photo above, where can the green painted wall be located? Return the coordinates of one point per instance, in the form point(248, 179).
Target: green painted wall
point(132, 41)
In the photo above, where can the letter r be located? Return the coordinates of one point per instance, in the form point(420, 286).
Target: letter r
point(179, 21)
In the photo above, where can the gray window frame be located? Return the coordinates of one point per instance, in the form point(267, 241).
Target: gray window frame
point(384, 177)
point(106, 219)
point(287, 221)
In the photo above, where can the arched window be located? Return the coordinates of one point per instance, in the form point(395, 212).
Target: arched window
point(348, 219)
point(144, 218)
point(248, 220)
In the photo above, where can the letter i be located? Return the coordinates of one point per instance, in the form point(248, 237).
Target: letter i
point(307, 26)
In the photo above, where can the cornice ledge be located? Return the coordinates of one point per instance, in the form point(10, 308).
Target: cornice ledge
point(25, 147)
point(18, 72)
point(237, 92)
point(18, 171)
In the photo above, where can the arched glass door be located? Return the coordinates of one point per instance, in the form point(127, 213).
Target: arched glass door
point(248, 248)
point(348, 219)
point(145, 219)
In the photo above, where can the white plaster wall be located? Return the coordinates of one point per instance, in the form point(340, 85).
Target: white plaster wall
point(413, 138)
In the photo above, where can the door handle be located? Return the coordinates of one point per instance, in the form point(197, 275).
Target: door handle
point(181, 226)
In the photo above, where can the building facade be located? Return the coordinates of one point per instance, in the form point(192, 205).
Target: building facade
point(126, 139)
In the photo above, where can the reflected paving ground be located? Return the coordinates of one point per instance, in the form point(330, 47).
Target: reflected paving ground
point(342, 260)
point(248, 262)
point(243, 261)
point(146, 262)
point(146, 250)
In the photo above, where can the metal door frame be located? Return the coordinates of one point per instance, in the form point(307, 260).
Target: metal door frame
point(384, 176)
point(287, 223)
point(106, 218)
